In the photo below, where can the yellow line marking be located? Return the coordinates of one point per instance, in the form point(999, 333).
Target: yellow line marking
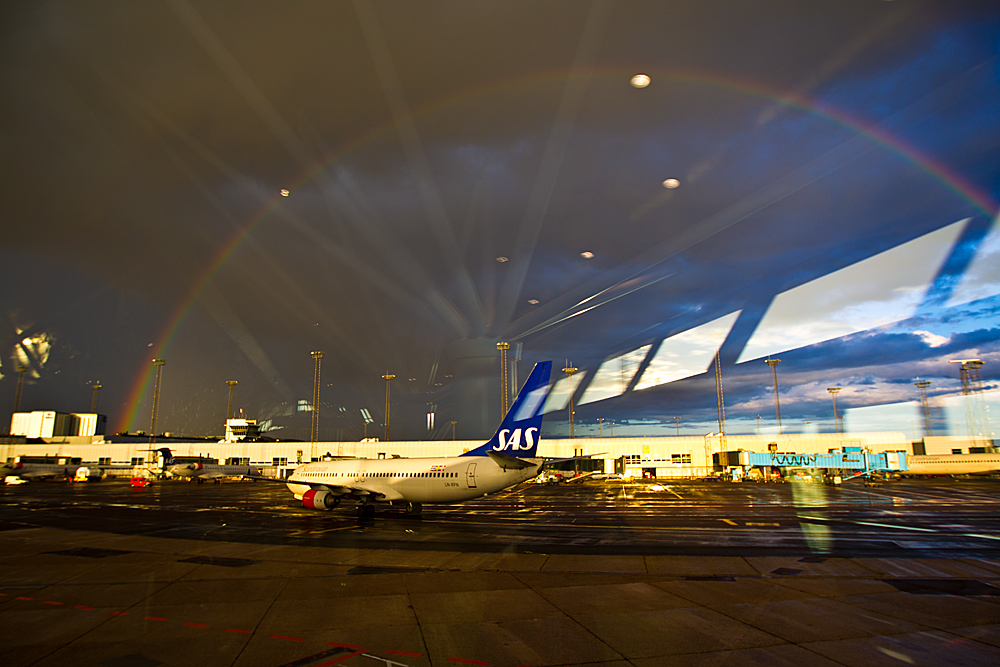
point(731, 523)
point(763, 524)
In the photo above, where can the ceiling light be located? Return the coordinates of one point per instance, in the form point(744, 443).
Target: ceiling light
point(639, 81)
point(586, 254)
point(671, 183)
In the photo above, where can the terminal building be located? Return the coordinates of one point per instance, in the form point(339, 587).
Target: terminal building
point(662, 457)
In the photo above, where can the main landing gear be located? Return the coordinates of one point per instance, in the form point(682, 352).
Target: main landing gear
point(413, 509)
point(366, 512)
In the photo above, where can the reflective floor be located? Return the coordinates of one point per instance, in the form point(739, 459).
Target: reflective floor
point(938, 517)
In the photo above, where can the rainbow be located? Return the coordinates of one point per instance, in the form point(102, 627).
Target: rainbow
point(938, 171)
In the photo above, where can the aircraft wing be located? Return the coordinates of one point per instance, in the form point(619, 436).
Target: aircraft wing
point(36, 474)
point(358, 489)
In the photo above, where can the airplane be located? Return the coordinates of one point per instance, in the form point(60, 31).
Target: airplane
point(196, 470)
point(51, 467)
point(508, 458)
point(953, 464)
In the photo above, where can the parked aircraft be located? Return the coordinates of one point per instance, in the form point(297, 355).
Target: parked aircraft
point(508, 458)
point(26, 468)
point(953, 464)
point(196, 470)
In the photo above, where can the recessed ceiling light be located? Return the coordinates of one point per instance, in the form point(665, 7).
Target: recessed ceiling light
point(639, 81)
point(586, 254)
point(671, 183)
point(502, 259)
point(285, 193)
point(533, 302)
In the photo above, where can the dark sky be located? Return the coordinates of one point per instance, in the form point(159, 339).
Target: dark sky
point(145, 145)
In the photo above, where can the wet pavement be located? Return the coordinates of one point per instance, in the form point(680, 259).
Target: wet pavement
point(612, 573)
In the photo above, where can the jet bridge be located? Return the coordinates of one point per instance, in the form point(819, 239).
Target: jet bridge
point(846, 463)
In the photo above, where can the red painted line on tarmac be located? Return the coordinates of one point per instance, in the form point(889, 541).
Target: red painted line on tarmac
point(154, 618)
point(468, 662)
point(24, 598)
point(52, 602)
point(118, 613)
point(342, 658)
point(239, 632)
point(288, 639)
point(80, 606)
point(350, 646)
point(196, 625)
point(407, 653)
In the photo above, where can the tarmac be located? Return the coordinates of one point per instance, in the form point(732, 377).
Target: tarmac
point(73, 597)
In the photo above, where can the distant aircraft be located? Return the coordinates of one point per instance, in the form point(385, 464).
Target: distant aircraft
point(199, 471)
point(28, 469)
point(508, 458)
point(953, 464)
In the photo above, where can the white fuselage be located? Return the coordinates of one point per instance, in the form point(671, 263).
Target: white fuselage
point(420, 480)
point(38, 470)
point(209, 471)
point(953, 464)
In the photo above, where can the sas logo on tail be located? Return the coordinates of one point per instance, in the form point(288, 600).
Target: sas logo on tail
point(514, 441)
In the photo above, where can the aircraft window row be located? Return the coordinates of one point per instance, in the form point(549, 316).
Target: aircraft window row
point(388, 474)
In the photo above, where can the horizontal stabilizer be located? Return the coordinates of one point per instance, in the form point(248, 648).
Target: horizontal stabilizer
point(505, 461)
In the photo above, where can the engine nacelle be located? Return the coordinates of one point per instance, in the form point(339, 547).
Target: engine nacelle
point(319, 500)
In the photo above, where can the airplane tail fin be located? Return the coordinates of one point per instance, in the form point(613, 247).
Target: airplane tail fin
point(520, 430)
point(166, 455)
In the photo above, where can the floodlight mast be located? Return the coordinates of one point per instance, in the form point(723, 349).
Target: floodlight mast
point(21, 370)
point(156, 399)
point(922, 385)
point(504, 383)
point(569, 374)
point(314, 434)
point(229, 406)
point(388, 377)
point(972, 389)
point(773, 363)
point(836, 418)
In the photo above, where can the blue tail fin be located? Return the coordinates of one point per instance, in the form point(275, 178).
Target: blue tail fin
point(168, 457)
point(520, 430)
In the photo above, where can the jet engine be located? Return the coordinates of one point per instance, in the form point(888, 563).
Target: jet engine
point(319, 500)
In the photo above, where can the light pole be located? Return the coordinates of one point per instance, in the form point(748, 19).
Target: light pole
point(314, 434)
point(21, 370)
point(600, 427)
point(836, 418)
point(773, 363)
point(976, 420)
point(93, 400)
point(677, 423)
point(569, 374)
point(453, 431)
point(504, 395)
point(922, 385)
point(229, 407)
point(156, 399)
point(388, 377)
